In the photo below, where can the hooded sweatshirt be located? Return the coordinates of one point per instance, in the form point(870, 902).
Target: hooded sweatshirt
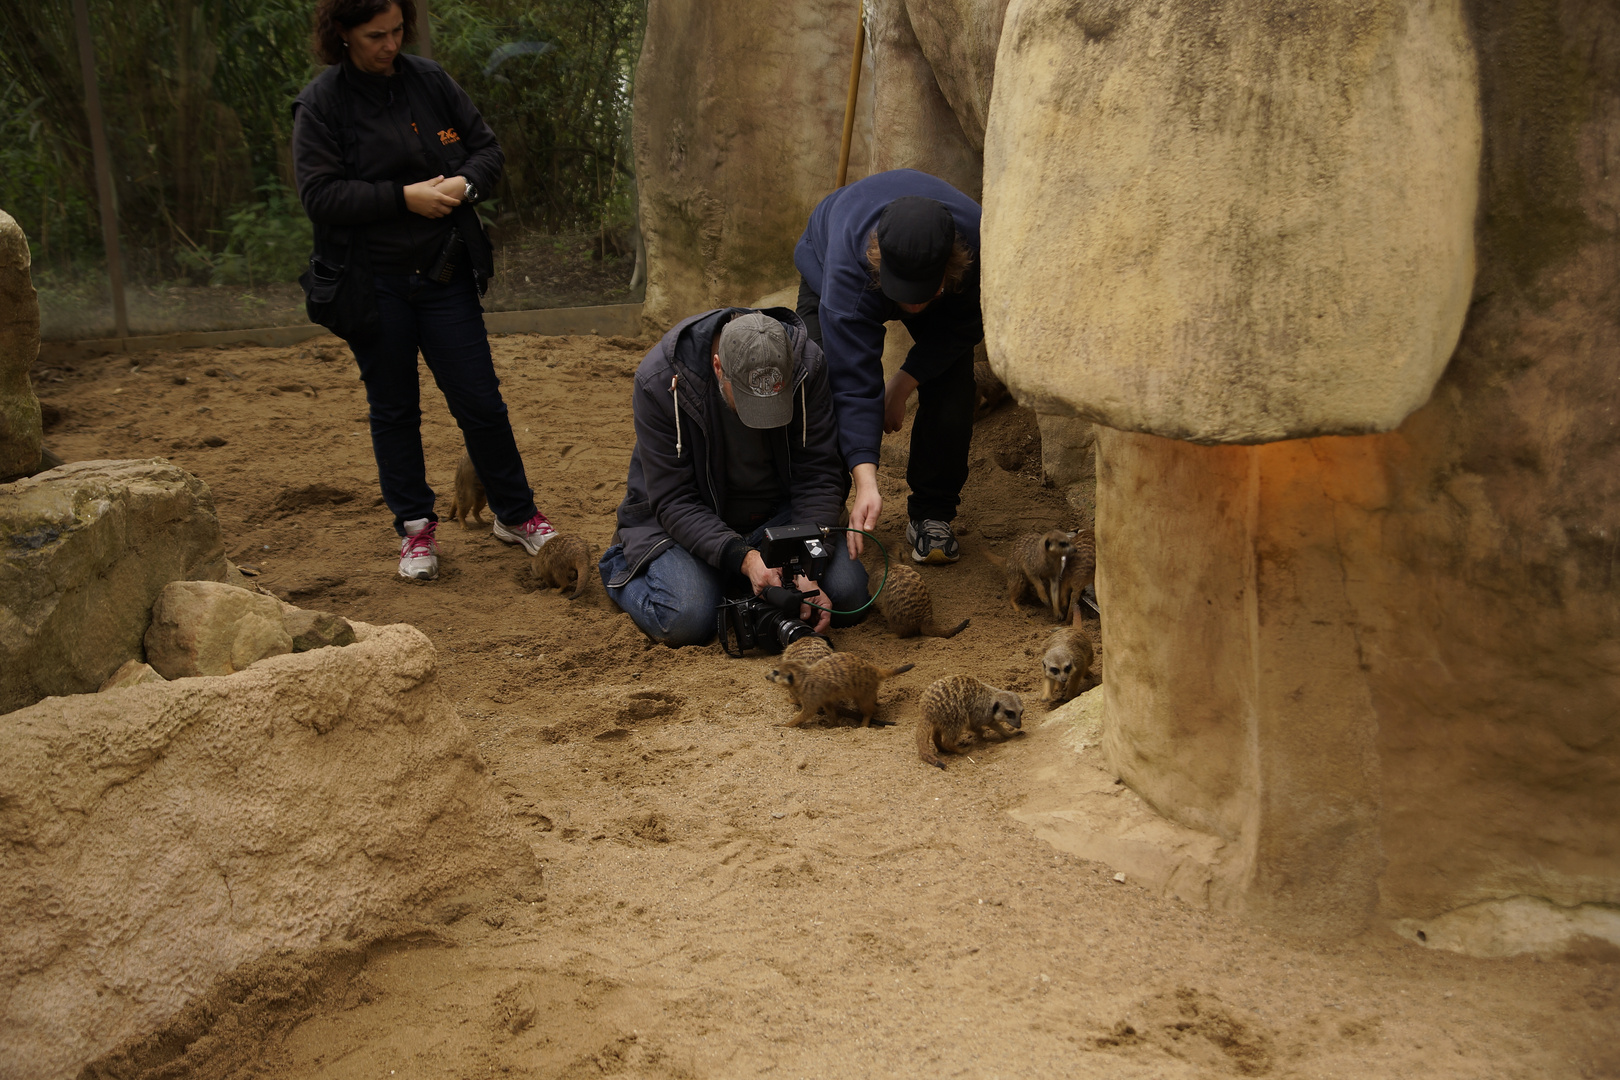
point(832, 257)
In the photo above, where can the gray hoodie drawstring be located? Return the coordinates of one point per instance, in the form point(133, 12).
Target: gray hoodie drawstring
point(804, 424)
point(674, 380)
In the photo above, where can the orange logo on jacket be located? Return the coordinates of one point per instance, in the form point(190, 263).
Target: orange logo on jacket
point(448, 136)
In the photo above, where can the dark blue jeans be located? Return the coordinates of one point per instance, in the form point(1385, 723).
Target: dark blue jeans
point(674, 599)
point(446, 322)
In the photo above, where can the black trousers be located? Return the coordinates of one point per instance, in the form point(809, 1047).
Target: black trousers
point(940, 433)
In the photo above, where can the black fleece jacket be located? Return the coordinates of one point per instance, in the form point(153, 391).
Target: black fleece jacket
point(675, 492)
point(387, 118)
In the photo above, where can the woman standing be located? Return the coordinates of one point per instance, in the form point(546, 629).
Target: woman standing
point(390, 156)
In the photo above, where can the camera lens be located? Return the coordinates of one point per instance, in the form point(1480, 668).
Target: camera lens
point(771, 625)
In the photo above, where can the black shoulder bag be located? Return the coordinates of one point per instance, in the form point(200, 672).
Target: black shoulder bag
point(339, 292)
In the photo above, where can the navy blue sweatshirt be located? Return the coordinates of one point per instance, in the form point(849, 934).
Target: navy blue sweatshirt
point(832, 257)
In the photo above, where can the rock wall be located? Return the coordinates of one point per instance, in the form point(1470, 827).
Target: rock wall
point(158, 837)
point(933, 62)
point(19, 347)
point(88, 548)
point(1386, 669)
point(738, 118)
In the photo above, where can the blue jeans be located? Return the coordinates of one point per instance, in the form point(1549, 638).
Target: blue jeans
point(674, 599)
point(446, 322)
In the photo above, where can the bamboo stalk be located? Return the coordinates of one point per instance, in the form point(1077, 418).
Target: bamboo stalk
point(424, 31)
point(103, 163)
point(854, 92)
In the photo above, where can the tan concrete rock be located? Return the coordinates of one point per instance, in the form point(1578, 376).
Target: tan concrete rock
point(158, 837)
point(1387, 669)
point(316, 629)
point(1068, 449)
point(132, 673)
point(88, 547)
point(914, 124)
point(738, 117)
point(19, 346)
point(1233, 223)
point(210, 628)
point(1380, 673)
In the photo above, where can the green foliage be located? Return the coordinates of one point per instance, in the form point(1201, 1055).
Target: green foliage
point(198, 95)
point(265, 240)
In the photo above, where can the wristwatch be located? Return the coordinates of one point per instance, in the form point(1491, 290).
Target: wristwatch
point(471, 194)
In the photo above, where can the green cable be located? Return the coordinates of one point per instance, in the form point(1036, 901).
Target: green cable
point(873, 598)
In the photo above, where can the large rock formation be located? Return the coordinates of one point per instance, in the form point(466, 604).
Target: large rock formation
point(155, 838)
point(1385, 669)
point(739, 113)
point(88, 547)
point(933, 62)
point(19, 347)
point(1248, 252)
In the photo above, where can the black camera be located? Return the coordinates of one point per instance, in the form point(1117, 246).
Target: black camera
point(771, 620)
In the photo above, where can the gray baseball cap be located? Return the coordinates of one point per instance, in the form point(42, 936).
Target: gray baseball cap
point(757, 360)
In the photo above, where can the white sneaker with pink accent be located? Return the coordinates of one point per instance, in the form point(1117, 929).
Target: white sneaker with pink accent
point(419, 551)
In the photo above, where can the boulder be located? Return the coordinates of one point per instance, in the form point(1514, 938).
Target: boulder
point(157, 837)
point(738, 118)
point(316, 629)
point(133, 673)
point(1230, 223)
point(210, 628)
point(88, 547)
point(19, 347)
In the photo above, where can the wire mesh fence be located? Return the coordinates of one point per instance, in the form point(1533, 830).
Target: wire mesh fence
point(196, 97)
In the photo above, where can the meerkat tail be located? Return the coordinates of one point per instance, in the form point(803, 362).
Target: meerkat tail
point(993, 557)
point(925, 743)
point(932, 630)
point(889, 673)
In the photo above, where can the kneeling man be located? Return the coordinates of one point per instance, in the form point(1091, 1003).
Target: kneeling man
point(734, 434)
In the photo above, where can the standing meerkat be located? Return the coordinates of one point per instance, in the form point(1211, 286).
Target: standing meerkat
point(957, 703)
point(1079, 570)
point(1036, 560)
point(906, 606)
point(831, 679)
point(1066, 665)
point(564, 560)
point(469, 497)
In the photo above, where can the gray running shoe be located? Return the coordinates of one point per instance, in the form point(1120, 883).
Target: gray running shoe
point(932, 541)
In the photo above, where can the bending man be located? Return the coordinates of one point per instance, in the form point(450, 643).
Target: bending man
point(734, 434)
point(898, 245)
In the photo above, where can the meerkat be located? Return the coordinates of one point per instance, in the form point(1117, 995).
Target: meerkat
point(564, 560)
point(801, 655)
point(469, 498)
point(905, 604)
point(956, 703)
point(830, 679)
point(1036, 560)
point(1066, 666)
point(1079, 570)
point(989, 391)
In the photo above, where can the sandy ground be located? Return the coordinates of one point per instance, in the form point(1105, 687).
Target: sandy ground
point(728, 897)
